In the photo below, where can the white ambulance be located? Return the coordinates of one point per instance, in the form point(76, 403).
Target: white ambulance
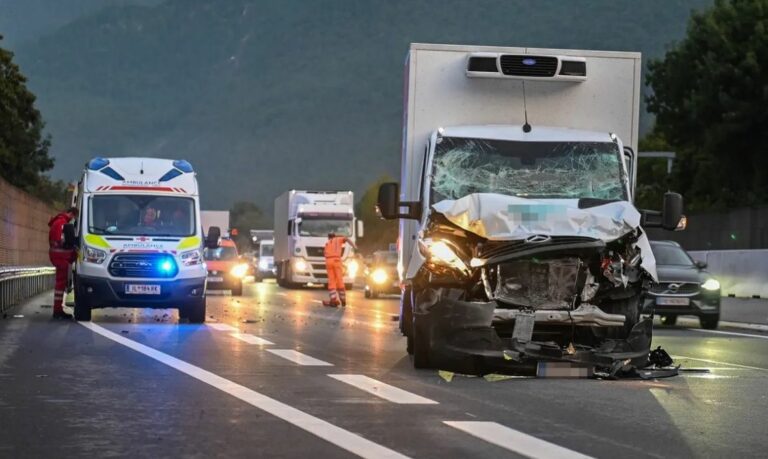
point(139, 237)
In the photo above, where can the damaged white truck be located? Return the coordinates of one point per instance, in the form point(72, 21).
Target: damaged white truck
point(520, 248)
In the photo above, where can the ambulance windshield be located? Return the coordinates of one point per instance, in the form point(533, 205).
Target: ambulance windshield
point(141, 215)
point(565, 170)
point(320, 227)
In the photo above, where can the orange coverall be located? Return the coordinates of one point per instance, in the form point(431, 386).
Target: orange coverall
point(334, 249)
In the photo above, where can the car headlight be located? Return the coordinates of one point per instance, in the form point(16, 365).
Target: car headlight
point(192, 258)
point(352, 268)
point(300, 265)
point(263, 265)
point(711, 284)
point(94, 255)
point(440, 252)
point(239, 270)
point(379, 276)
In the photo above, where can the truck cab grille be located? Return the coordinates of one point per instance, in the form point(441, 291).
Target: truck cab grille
point(146, 265)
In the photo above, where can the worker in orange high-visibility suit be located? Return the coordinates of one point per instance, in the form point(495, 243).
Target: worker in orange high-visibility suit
point(334, 249)
point(61, 256)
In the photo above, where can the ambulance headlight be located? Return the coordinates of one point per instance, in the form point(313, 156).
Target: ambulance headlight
point(192, 258)
point(239, 270)
point(353, 267)
point(94, 255)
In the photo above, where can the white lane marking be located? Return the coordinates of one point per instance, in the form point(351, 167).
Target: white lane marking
point(514, 440)
point(690, 322)
point(719, 332)
point(222, 327)
point(717, 362)
point(318, 301)
point(299, 358)
point(251, 339)
point(344, 439)
point(281, 294)
point(383, 390)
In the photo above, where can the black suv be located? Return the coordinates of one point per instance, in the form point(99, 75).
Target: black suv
point(684, 287)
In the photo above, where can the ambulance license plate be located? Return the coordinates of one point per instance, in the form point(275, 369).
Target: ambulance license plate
point(669, 301)
point(142, 289)
point(215, 279)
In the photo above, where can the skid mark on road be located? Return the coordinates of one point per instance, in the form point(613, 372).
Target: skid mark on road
point(299, 358)
point(514, 440)
point(251, 339)
point(344, 439)
point(383, 390)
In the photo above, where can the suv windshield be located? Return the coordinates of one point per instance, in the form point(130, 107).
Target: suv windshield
point(141, 215)
point(567, 170)
point(320, 227)
point(670, 255)
point(220, 253)
point(265, 250)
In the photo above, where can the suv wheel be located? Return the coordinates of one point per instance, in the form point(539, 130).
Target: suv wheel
point(709, 321)
point(668, 319)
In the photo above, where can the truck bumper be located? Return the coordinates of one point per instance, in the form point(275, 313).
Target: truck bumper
point(101, 292)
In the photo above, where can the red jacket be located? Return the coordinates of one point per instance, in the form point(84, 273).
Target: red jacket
point(56, 231)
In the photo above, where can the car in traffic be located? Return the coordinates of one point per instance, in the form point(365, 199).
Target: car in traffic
point(684, 287)
point(265, 261)
point(381, 274)
point(225, 268)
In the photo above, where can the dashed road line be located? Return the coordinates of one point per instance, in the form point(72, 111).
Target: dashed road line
point(717, 362)
point(720, 332)
point(299, 358)
point(251, 339)
point(383, 390)
point(342, 438)
point(222, 327)
point(515, 441)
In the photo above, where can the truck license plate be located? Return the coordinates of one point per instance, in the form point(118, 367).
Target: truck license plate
point(215, 279)
point(142, 289)
point(668, 301)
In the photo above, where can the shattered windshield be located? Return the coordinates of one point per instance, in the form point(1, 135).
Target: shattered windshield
point(565, 170)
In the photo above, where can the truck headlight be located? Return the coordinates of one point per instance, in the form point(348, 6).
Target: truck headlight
point(192, 258)
point(300, 265)
point(263, 265)
point(352, 268)
point(239, 270)
point(379, 276)
point(440, 252)
point(711, 284)
point(94, 255)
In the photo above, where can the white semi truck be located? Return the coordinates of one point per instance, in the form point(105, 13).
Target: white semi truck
point(139, 237)
point(303, 220)
point(519, 242)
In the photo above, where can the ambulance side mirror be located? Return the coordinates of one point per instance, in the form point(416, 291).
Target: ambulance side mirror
point(212, 238)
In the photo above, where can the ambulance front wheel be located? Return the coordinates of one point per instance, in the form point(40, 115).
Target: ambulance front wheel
point(194, 311)
point(82, 306)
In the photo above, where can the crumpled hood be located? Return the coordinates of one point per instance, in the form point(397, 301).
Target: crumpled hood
point(505, 218)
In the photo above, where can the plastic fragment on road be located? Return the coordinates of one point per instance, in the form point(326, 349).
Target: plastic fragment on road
point(495, 377)
point(563, 370)
point(18, 316)
point(446, 375)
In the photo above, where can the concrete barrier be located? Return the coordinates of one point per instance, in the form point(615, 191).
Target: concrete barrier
point(742, 273)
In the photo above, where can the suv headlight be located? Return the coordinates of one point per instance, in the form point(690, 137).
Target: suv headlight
point(191, 258)
point(94, 255)
point(379, 276)
point(711, 284)
point(239, 270)
point(441, 253)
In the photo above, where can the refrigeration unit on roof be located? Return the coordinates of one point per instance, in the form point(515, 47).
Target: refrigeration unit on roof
point(527, 67)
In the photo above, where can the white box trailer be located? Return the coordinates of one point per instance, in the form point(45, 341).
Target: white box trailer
point(516, 191)
point(302, 221)
point(217, 218)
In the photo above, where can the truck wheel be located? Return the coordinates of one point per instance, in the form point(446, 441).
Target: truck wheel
point(349, 286)
point(709, 321)
point(367, 293)
point(374, 294)
point(406, 319)
point(194, 311)
point(420, 345)
point(630, 308)
point(257, 278)
point(668, 319)
point(82, 306)
point(237, 290)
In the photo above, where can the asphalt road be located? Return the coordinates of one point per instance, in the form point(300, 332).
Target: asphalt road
point(275, 374)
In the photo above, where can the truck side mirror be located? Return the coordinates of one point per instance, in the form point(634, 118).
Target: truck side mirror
point(360, 229)
point(387, 200)
point(672, 211)
point(213, 236)
point(70, 239)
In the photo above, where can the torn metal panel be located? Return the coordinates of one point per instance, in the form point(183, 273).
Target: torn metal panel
point(538, 284)
point(584, 315)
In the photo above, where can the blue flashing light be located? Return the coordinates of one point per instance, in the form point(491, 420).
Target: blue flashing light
point(166, 267)
point(97, 163)
point(171, 174)
point(112, 173)
point(183, 165)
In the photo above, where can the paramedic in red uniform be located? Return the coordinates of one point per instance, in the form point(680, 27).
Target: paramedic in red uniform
point(334, 249)
point(61, 257)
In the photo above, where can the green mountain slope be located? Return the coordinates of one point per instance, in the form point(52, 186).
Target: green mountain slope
point(264, 96)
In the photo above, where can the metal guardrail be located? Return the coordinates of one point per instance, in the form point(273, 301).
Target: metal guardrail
point(18, 283)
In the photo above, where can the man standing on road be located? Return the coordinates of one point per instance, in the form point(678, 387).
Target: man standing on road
point(334, 249)
point(61, 256)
